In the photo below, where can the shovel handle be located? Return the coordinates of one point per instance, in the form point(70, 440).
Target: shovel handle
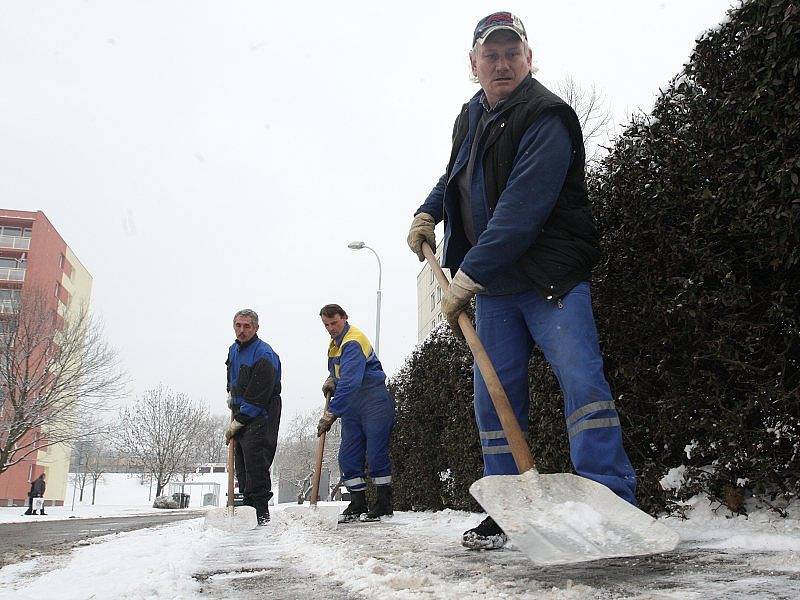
point(318, 460)
point(516, 440)
point(231, 450)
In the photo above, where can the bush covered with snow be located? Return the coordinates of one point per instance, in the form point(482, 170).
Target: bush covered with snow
point(697, 300)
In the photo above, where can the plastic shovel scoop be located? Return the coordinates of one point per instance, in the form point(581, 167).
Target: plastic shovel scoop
point(560, 518)
point(316, 515)
point(563, 518)
point(232, 518)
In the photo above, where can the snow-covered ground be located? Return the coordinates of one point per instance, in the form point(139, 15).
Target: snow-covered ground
point(117, 494)
point(415, 555)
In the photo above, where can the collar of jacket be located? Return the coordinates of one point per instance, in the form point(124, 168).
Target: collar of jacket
point(244, 345)
point(517, 96)
point(337, 341)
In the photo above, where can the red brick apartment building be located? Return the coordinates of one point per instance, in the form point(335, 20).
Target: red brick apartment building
point(34, 256)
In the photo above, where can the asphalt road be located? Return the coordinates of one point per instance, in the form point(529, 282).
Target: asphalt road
point(21, 540)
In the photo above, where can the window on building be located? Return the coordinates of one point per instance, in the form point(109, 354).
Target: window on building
point(438, 294)
point(26, 232)
point(430, 275)
point(433, 301)
point(12, 231)
point(57, 289)
point(219, 469)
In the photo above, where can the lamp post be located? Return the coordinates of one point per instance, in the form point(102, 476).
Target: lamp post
point(361, 246)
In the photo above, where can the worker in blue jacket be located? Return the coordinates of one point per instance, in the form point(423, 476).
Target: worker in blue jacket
point(357, 386)
point(518, 234)
point(254, 397)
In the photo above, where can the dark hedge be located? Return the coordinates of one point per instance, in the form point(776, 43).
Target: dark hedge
point(696, 300)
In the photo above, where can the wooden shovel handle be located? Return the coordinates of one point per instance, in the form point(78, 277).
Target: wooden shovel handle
point(318, 460)
point(516, 440)
point(231, 450)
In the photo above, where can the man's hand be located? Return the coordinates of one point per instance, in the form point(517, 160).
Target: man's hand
point(329, 387)
point(456, 299)
point(232, 430)
point(325, 422)
point(422, 231)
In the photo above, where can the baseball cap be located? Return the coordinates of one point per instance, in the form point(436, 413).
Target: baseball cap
point(499, 20)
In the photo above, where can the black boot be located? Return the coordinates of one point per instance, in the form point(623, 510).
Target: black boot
point(486, 536)
point(30, 507)
point(382, 506)
point(263, 516)
point(357, 507)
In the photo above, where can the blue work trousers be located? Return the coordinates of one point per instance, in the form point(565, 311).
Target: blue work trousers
point(366, 428)
point(509, 326)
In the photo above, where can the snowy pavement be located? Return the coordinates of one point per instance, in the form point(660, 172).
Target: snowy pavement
point(415, 555)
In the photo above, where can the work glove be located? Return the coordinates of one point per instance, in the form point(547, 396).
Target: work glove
point(232, 430)
point(325, 422)
point(422, 231)
point(457, 298)
point(329, 387)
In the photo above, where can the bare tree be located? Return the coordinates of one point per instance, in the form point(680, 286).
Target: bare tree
point(158, 430)
point(591, 106)
point(97, 463)
point(53, 371)
point(294, 459)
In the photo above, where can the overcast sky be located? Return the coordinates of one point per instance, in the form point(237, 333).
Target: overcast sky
point(201, 157)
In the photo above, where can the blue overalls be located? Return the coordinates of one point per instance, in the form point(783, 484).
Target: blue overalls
point(365, 407)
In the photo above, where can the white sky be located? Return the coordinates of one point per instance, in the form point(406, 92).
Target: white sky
point(200, 157)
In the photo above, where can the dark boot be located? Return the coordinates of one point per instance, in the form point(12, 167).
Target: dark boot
point(356, 508)
point(41, 512)
point(486, 536)
point(30, 507)
point(382, 506)
point(262, 514)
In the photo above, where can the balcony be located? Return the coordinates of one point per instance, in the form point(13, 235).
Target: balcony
point(7, 274)
point(14, 242)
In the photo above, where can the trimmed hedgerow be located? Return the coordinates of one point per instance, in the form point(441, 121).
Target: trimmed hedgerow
point(696, 299)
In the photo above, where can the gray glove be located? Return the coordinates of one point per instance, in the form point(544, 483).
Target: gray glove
point(457, 298)
point(329, 387)
point(325, 422)
point(422, 231)
point(232, 430)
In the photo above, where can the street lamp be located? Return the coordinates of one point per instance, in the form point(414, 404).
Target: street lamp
point(361, 246)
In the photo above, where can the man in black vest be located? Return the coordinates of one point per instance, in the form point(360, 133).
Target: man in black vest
point(519, 235)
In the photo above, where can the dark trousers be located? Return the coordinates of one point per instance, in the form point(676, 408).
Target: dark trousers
point(256, 444)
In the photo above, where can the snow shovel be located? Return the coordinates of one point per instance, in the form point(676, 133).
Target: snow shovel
point(327, 515)
point(232, 518)
point(556, 518)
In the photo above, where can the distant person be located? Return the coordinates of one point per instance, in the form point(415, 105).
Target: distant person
point(518, 234)
point(357, 385)
point(254, 397)
point(36, 496)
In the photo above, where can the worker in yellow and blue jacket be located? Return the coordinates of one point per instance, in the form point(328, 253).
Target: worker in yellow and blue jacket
point(357, 386)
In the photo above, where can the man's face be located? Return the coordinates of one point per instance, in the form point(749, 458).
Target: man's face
point(334, 325)
point(500, 65)
point(244, 329)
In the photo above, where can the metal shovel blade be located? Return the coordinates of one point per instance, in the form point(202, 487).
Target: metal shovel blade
point(234, 519)
point(563, 518)
point(317, 515)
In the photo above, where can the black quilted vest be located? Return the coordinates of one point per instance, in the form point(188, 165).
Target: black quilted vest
point(567, 247)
